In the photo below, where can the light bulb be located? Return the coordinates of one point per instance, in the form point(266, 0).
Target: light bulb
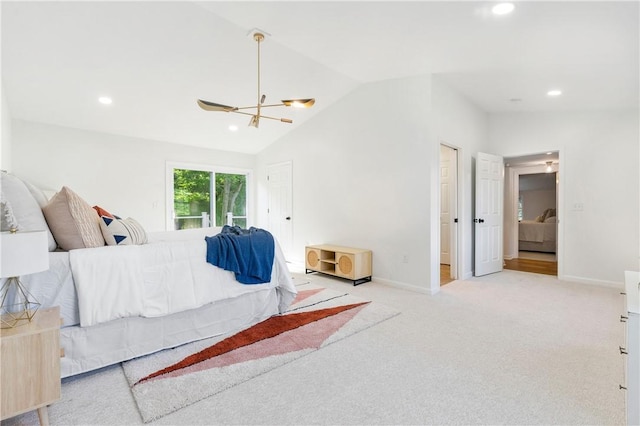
point(502, 8)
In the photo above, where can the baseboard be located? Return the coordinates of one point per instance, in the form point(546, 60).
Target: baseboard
point(404, 286)
point(299, 268)
point(590, 281)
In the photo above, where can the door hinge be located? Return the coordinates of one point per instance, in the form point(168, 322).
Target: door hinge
point(455, 220)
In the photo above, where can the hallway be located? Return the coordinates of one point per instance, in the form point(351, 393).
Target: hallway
point(539, 263)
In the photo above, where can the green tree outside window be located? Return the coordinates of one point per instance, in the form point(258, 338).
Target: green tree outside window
point(193, 195)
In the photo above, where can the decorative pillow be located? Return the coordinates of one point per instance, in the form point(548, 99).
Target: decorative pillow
point(102, 212)
point(26, 211)
point(551, 219)
point(120, 232)
point(548, 213)
point(540, 218)
point(73, 222)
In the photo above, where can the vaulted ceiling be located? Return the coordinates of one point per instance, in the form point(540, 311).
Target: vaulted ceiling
point(154, 59)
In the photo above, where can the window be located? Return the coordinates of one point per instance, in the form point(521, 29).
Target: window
point(201, 196)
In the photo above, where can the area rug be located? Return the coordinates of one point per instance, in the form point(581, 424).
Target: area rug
point(167, 381)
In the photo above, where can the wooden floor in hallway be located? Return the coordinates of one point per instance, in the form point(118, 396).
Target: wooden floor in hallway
point(445, 274)
point(532, 265)
point(539, 263)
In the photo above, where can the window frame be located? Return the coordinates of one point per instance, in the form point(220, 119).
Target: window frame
point(169, 188)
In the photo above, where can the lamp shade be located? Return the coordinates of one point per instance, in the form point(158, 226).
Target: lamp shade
point(23, 253)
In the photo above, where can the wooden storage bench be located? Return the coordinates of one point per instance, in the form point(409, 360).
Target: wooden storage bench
point(345, 262)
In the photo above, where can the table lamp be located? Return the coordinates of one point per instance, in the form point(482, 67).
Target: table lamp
point(21, 253)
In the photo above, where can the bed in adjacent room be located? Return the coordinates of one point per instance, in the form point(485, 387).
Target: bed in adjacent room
point(539, 234)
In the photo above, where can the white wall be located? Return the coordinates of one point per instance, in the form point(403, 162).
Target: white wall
point(599, 185)
point(5, 132)
point(366, 174)
point(361, 178)
point(535, 202)
point(461, 125)
point(538, 192)
point(126, 176)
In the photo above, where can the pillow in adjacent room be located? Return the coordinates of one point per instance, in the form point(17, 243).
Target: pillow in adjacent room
point(73, 222)
point(120, 232)
point(549, 213)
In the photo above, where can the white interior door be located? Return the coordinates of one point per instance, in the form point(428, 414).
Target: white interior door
point(445, 205)
point(279, 178)
point(488, 219)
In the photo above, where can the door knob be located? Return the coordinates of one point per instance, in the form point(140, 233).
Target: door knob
point(478, 220)
point(288, 217)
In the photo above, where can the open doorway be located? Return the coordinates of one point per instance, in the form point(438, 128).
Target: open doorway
point(448, 214)
point(531, 213)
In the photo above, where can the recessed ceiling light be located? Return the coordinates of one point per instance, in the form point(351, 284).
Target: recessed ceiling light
point(233, 128)
point(105, 100)
point(554, 93)
point(502, 8)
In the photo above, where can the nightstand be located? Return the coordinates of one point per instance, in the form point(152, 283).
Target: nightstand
point(30, 365)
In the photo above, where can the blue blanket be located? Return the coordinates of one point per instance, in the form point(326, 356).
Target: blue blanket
point(246, 252)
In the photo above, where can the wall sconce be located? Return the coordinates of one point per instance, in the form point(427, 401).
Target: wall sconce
point(21, 253)
point(549, 168)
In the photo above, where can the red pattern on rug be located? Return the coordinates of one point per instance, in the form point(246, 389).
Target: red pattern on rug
point(310, 336)
point(267, 329)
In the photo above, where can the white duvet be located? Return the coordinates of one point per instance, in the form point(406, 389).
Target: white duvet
point(529, 230)
point(157, 279)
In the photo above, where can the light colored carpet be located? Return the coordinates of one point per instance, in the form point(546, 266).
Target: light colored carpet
point(508, 348)
point(170, 380)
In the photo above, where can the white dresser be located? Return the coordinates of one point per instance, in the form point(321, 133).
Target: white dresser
point(630, 348)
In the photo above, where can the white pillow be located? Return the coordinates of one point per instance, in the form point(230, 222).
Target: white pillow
point(551, 219)
point(26, 210)
point(37, 193)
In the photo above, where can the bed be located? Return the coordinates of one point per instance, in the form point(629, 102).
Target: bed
point(118, 302)
point(539, 234)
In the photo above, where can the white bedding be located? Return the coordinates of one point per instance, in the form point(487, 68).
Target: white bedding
point(54, 287)
point(157, 279)
point(530, 230)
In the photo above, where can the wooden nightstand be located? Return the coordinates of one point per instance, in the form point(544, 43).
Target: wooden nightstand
point(30, 365)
